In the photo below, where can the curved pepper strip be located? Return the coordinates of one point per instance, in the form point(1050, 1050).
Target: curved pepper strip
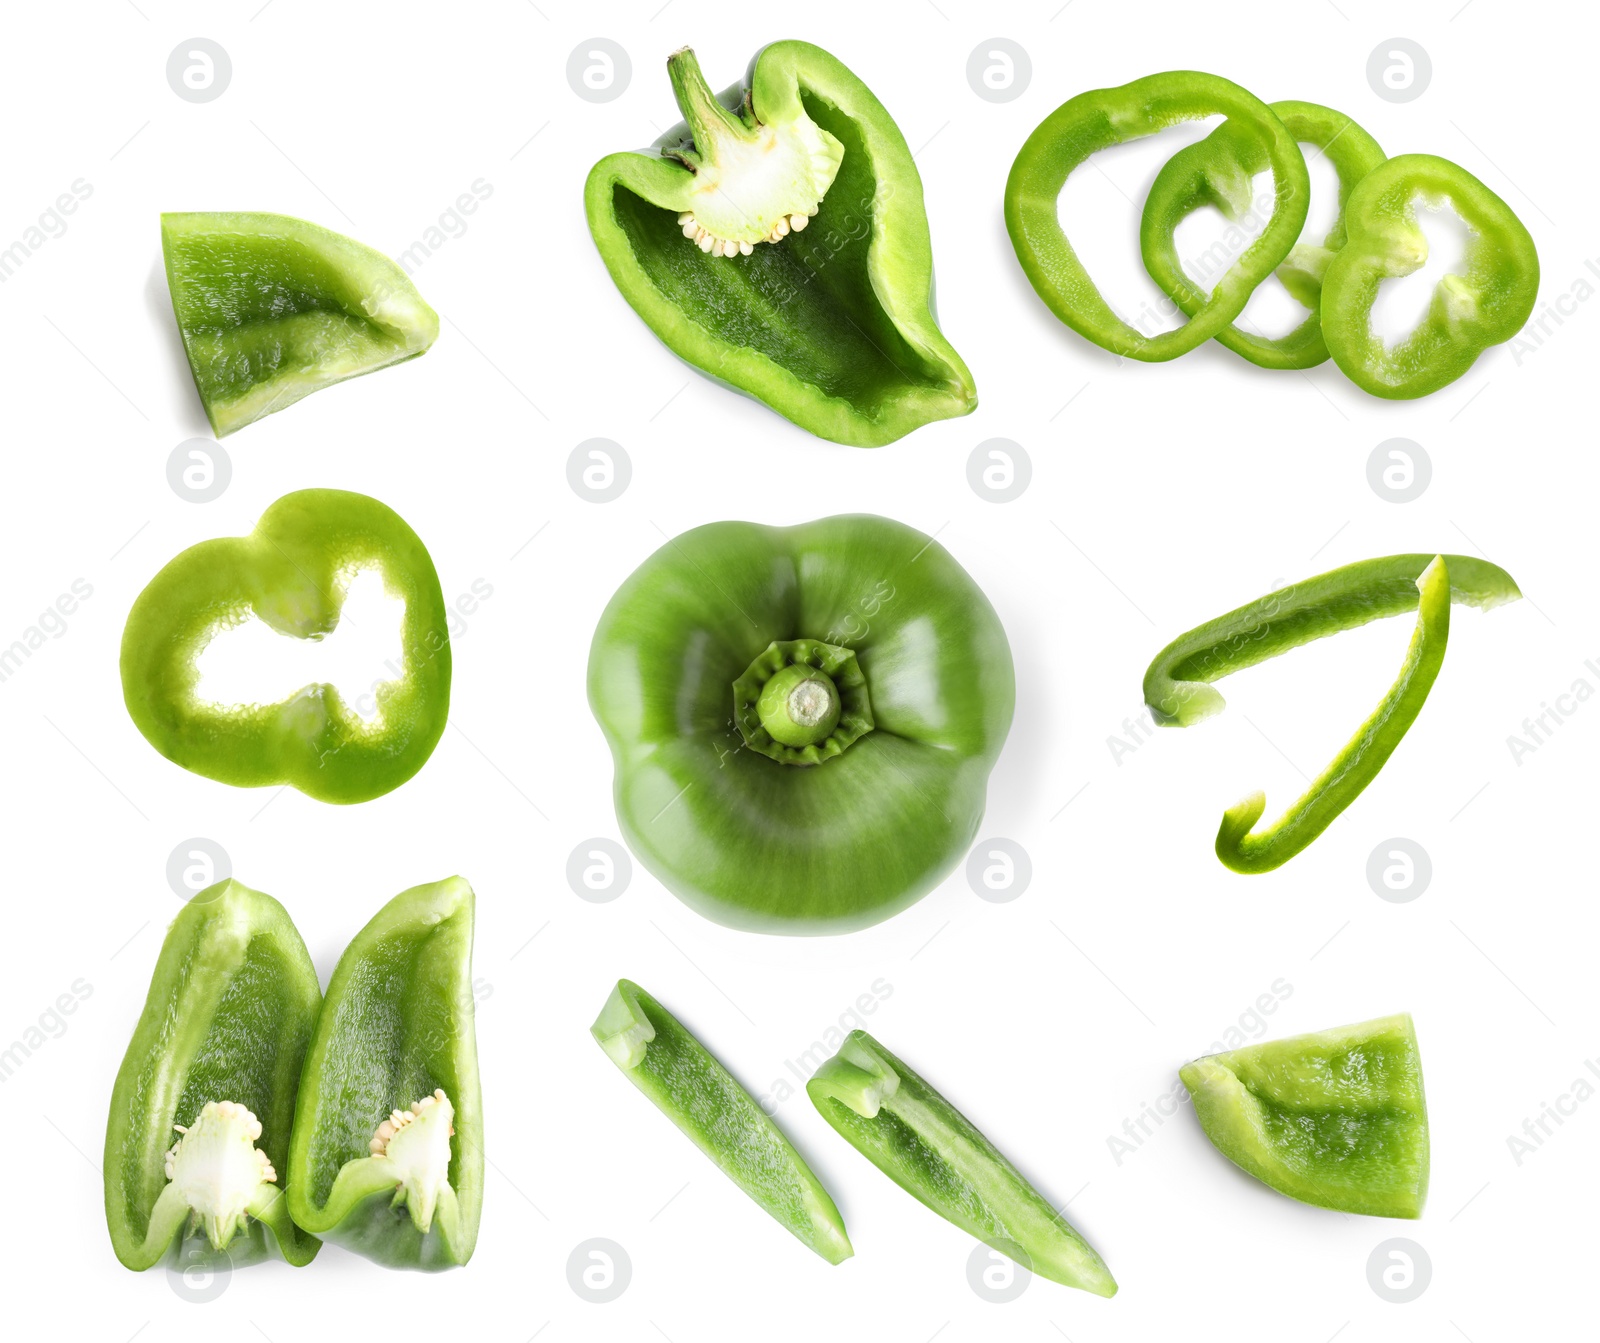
point(932, 1151)
point(688, 1085)
point(1336, 1118)
point(1177, 689)
point(1104, 117)
point(832, 327)
point(396, 1030)
point(1218, 171)
point(227, 1021)
point(1483, 305)
point(291, 572)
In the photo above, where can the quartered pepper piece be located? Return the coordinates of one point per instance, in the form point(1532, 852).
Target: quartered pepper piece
point(203, 1103)
point(705, 235)
point(694, 674)
point(272, 309)
point(932, 1151)
point(688, 1085)
point(1217, 171)
point(1104, 117)
point(291, 572)
point(1484, 304)
point(396, 1180)
point(1178, 692)
point(1336, 1118)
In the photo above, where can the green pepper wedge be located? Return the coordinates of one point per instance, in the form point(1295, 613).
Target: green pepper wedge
point(1485, 304)
point(387, 1152)
point(272, 309)
point(687, 1084)
point(1336, 1118)
point(1178, 692)
point(706, 237)
point(745, 802)
point(932, 1151)
point(291, 572)
point(1218, 171)
point(215, 1058)
point(1104, 117)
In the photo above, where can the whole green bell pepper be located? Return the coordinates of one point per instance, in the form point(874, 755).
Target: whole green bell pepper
point(803, 719)
point(272, 309)
point(706, 236)
point(1484, 304)
point(291, 572)
point(1336, 1118)
point(1218, 171)
point(932, 1151)
point(386, 1157)
point(1104, 117)
point(216, 1059)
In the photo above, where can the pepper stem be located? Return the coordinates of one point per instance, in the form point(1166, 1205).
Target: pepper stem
point(802, 702)
point(708, 119)
point(799, 706)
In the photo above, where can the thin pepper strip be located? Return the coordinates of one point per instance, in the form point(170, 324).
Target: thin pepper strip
point(688, 1085)
point(1177, 685)
point(932, 1151)
point(1102, 118)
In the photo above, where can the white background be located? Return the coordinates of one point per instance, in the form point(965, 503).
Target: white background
point(1161, 495)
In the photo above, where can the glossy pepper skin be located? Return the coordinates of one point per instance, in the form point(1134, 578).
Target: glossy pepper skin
point(1217, 171)
point(832, 326)
point(687, 1084)
point(1101, 118)
point(1483, 305)
point(272, 308)
point(291, 573)
point(229, 1016)
point(1336, 1118)
point(397, 1025)
point(807, 836)
point(931, 1150)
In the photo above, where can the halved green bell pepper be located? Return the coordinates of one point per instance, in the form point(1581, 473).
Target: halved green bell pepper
point(852, 793)
point(1336, 1118)
point(291, 572)
point(706, 236)
point(387, 1151)
point(215, 1059)
point(272, 309)
point(1484, 304)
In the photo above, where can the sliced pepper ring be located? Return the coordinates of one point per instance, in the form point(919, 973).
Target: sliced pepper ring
point(1102, 118)
point(1217, 171)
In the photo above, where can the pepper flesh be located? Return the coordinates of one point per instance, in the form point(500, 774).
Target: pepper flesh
point(291, 573)
point(218, 1049)
point(833, 328)
point(272, 309)
point(1178, 692)
point(811, 839)
point(1102, 118)
point(687, 1084)
point(397, 1024)
point(932, 1151)
point(1483, 304)
point(1336, 1118)
point(1217, 171)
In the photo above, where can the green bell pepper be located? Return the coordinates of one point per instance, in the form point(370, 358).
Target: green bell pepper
point(700, 1096)
point(272, 309)
point(931, 1150)
point(1483, 305)
point(1104, 117)
point(705, 235)
point(1336, 1118)
point(291, 572)
point(716, 671)
point(216, 1059)
point(397, 1179)
point(1217, 171)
